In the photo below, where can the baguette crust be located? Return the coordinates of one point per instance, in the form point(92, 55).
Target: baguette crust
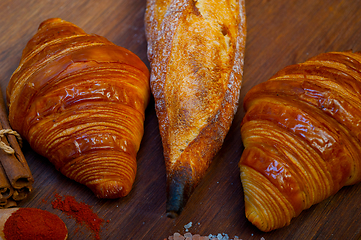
point(196, 51)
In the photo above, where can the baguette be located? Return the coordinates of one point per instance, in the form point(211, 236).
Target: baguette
point(196, 52)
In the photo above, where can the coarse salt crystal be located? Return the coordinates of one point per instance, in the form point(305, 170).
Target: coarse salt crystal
point(196, 237)
point(188, 235)
point(178, 236)
point(189, 225)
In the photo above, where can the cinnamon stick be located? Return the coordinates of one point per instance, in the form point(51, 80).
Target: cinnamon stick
point(9, 204)
point(6, 190)
point(20, 194)
point(14, 163)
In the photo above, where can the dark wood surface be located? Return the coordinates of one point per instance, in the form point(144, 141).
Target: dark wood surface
point(280, 33)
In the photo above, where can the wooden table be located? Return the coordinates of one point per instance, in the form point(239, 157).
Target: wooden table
point(280, 33)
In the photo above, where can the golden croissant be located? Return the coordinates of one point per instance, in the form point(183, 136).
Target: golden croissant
point(301, 134)
point(79, 100)
point(196, 51)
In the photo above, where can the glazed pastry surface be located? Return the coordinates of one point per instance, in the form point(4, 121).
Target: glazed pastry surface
point(301, 134)
point(196, 51)
point(79, 100)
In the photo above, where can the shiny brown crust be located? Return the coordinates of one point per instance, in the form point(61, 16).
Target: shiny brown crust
point(196, 51)
point(302, 137)
point(79, 100)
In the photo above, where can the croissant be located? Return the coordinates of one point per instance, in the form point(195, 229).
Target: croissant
point(79, 100)
point(302, 138)
point(196, 57)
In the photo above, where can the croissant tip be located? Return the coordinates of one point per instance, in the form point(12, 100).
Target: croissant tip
point(49, 21)
point(110, 189)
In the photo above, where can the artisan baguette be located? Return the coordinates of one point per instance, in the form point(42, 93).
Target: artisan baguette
point(196, 51)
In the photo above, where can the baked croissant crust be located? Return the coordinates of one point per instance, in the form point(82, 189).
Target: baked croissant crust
point(302, 136)
point(79, 100)
point(196, 51)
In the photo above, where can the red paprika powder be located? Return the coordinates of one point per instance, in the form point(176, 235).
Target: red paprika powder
point(32, 223)
point(80, 211)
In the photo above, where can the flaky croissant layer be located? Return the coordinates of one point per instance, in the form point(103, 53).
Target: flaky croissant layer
point(79, 100)
point(302, 136)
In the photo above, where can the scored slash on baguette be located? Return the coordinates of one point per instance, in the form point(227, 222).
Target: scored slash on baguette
point(196, 51)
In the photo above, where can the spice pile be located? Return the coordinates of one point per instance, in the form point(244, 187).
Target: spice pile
point(81, 212)
point(32, 223)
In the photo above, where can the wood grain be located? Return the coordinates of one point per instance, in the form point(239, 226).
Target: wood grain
point(280, 33)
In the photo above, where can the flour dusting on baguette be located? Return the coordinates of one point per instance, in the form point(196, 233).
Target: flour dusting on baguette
point(196, 51)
